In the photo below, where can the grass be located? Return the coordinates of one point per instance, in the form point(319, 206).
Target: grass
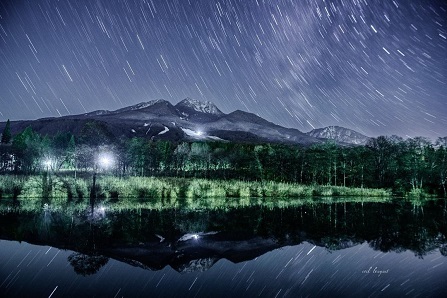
point(417, 193)
point(11, 185)
point(109, 187)
point(158, 193)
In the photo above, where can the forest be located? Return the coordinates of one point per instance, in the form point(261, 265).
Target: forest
point(414, 166)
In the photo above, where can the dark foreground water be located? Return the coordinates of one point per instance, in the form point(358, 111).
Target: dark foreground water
point(314, 250)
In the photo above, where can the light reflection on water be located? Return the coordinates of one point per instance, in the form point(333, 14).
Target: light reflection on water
point(322, 250)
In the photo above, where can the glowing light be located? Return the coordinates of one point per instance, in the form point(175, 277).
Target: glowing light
point(47, 163)
point(195, 236)
point(105, 160)
point(199, 133)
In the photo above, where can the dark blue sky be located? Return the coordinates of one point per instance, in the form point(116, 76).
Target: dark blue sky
point(378, 67)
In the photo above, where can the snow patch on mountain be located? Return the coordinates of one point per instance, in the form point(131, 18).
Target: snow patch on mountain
point(215, 138)
point(192, 133)
point(199, 106)
point(141, 105)
point(200, 135)
point(97, 113)
point(164, 131)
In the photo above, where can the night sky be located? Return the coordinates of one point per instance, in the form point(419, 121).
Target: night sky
point(379, 67)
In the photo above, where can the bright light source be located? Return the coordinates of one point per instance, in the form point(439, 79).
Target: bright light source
point(195, 236)
point(199, 133)
point(105, 160)
point(47, 163)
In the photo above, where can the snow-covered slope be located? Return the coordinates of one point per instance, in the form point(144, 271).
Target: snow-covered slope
point(189, 105)
point(139, 106)
point(339, 134)
point(97, 113)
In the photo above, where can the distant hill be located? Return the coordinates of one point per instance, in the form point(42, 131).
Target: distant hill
point(339, 134)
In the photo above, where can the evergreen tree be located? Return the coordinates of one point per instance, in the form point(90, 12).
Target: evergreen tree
point(28, 147)
point(6, 136)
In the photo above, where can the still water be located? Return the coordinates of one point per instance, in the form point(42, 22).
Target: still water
point(321, 249)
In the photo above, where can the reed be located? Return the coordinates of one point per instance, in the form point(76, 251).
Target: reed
point(170, 190)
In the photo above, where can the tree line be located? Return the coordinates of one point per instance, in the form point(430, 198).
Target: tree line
point(415, 165)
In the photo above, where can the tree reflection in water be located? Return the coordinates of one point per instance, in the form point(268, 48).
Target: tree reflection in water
point(154, 239)
point(86, 264)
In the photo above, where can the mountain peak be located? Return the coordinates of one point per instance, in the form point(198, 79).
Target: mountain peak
point(340, 134)
point(206, 107)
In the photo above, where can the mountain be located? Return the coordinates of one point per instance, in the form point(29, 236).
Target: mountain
point(198, 111)
point(188, 120)
point(339, 134)
point(196, 106)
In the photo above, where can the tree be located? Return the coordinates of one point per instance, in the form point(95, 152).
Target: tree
point(96, 133)
point(441, 160)
point(85, 265)
point(164, 151)
point(181, 154)
point(418, 161)
point(330, 151)
point(319, 164)
point(6, 135)
point(6, 155)
point(258, 150)
point(62, 150)
point(137, 154)
point(200, 155)
point(28, 147)
point(71, 151)
point(386, 152)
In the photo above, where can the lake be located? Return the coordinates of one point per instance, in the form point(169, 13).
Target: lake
point(327, 248)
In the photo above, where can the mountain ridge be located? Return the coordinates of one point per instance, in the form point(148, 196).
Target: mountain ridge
point(188, 120)
point(339, 134)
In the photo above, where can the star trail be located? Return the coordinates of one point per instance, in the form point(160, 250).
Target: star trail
point(378, 67)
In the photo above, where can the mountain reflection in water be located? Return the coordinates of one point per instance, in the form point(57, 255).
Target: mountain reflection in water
point(195, 240)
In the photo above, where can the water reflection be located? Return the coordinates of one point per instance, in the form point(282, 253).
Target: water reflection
point(331, 248)
point(195, 240)
point(86, 264)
